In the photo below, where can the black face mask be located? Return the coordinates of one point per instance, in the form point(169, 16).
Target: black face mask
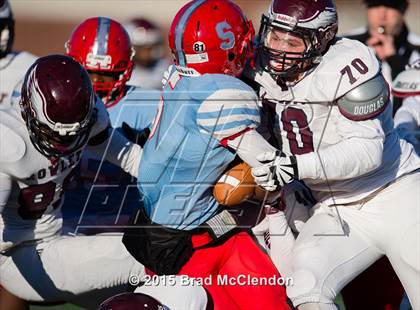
point(292, 63)
point(51, 144)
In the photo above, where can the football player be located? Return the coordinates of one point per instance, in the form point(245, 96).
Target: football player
point(102, 46)
point(41, 141)
point(131, 110)
point(150, 59)
point(13, 65)
point(206, 116)
point(334, 122)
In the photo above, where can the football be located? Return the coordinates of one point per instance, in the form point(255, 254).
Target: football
point(235, 186)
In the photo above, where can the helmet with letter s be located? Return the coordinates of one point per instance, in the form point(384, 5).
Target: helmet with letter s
point(57, 105)
point(310, 26)
point(211, 36)
point(103, 47)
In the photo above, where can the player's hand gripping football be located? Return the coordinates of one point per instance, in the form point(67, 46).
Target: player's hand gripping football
point(276, 171)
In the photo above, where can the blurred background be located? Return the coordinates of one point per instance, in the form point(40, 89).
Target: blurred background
point(43, 26)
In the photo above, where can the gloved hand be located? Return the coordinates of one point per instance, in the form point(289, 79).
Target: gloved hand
point(277, 170)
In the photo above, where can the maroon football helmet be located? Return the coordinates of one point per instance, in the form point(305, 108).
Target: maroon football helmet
point(147, 40)
point(57, 104)
point(7, 28)
point(131, 301)
point(314, 22)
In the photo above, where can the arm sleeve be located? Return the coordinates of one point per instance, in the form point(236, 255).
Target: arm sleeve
point(248, 145)
point(228, 112)
point(407, 119)
point(5, 190)
point(408, 113)
point(359, 152)
point(111, 145)
point(120, 152)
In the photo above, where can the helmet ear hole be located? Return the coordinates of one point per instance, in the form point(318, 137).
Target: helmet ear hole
point(231, 56)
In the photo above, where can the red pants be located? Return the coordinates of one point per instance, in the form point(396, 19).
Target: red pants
point(239, 259)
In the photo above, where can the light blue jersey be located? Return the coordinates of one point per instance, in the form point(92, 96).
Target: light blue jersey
point(136, 109)
point(184, 156)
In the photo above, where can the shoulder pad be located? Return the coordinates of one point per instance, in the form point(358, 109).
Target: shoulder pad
point(12, 146)
point(407, 83)
point(204, 86)
point(137, 95)
point(366, 101)
point(228, 112)
point(340, 71)
point(24, 60)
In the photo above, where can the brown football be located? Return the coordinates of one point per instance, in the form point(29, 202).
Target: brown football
point(235, 185)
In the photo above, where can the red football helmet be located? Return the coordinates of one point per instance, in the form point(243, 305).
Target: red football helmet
point(57, 104)
point(131, 301)
point(211, 36)
point(7, 28)
point(314, 22)
point(103, 46)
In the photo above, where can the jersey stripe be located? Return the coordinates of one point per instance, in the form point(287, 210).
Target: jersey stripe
point(226, 120)
point(179, 31)
point(224, 130)
point(101, 40)
point(228, 112)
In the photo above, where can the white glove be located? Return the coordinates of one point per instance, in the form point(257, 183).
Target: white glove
point(166, 75)
point(276, 171)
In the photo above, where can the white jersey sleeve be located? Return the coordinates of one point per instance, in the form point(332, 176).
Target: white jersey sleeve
point(408, 114)
point(249, 145)
point(407, 121)
point(12, 70)
point(112, 145)
point(358, 152)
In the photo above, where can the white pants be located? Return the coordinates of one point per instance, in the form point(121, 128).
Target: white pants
point(338, 243)
point(69, 266)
